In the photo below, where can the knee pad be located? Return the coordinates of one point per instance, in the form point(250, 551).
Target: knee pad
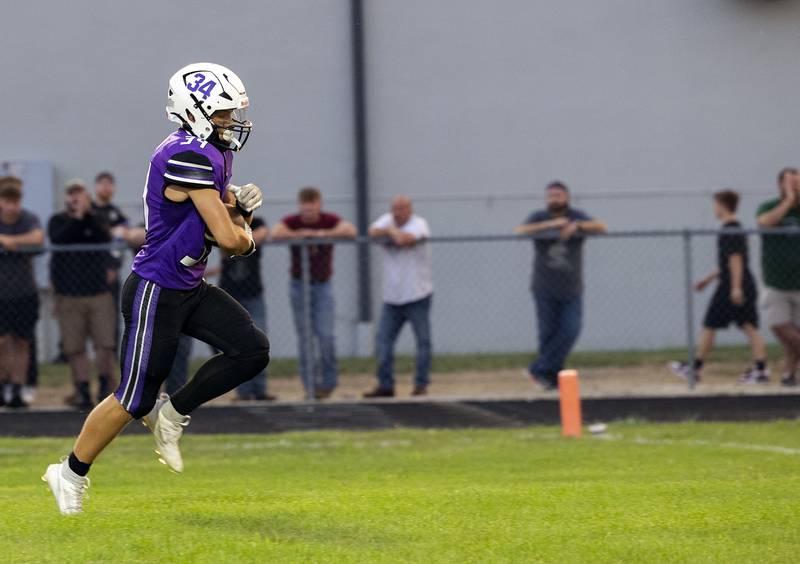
point(254, 358)
point(260, 349)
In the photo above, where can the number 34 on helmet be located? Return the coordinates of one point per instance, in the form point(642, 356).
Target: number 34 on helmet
point(200, 89)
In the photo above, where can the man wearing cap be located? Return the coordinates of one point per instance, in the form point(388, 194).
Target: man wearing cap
point(19, 298)
point(84, 303)
point(557, 283)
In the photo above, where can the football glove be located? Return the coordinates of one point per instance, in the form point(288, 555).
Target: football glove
point(248, 197)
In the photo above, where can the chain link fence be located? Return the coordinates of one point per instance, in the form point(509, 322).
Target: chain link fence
point(640, 310)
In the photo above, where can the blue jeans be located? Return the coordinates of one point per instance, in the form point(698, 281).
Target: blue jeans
point(322, 321)
point(559, 322)
point(393, 317)
point(257, 386)
point(180, 366)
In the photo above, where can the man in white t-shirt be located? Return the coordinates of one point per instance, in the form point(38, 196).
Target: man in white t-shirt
point(407, 292)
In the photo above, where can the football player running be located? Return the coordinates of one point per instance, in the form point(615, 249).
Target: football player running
point(189, 207)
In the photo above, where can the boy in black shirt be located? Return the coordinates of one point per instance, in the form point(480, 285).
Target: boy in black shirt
point(241, 278)
point(735, 299)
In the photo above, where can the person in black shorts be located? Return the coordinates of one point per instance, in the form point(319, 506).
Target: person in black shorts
point(735, 298)
point(19, 297)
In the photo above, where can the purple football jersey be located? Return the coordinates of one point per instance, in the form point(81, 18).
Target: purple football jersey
point(175, 251)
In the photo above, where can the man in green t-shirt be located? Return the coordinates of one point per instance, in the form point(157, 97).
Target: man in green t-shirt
point(780, 266)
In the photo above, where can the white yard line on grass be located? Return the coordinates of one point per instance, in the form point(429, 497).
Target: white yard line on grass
point(703, 443)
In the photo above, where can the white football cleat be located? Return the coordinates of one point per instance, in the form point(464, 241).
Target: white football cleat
point(68, 488)
point(167, 427)
point(150, 419)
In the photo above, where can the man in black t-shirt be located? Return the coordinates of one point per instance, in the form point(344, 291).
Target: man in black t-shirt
point(735, 298)
point(105, 187)
point(241, 278)
point(557, 279)
point(83, 300)
point(116, 221)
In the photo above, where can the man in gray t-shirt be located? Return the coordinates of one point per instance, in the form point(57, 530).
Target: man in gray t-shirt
point(19, 299)
point(557, 279)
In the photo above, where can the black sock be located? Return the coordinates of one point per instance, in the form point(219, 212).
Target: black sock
point(761, 364)
point(80, 468)
point(103, 390)
point(16, 391)
point(698, 364)
point(83, 389)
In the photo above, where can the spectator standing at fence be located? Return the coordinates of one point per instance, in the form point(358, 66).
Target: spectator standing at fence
point(780, 267)
point(407, 293)
point(241, 278)
point(105, 187)
point(19, 298)
point(557, 281)
point(84, 303)
point(734, 301)
point(312, 223)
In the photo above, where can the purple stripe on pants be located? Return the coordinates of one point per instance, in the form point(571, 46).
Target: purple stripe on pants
point(141, 377)
point(125, 369)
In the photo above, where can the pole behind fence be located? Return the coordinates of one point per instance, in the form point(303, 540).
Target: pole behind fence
point(688, 289)
point(307, 360)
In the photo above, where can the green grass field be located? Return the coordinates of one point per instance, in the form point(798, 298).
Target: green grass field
point(641, 493)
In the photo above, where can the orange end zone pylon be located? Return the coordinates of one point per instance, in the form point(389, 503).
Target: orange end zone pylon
point(570, 398)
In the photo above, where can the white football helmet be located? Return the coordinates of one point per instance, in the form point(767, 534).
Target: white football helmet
point(200, 89)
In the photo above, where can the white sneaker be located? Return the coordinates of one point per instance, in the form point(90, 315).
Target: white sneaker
point(68, 488)
point(684, 371)
point(167, 429)
point(28, 394)
point(755, 376)
point(150, 419)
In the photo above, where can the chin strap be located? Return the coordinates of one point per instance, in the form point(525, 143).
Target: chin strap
point(234, 143)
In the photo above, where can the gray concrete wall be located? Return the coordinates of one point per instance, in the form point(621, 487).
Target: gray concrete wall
point(86, 82)
point(620, 96)
point(644, 107)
